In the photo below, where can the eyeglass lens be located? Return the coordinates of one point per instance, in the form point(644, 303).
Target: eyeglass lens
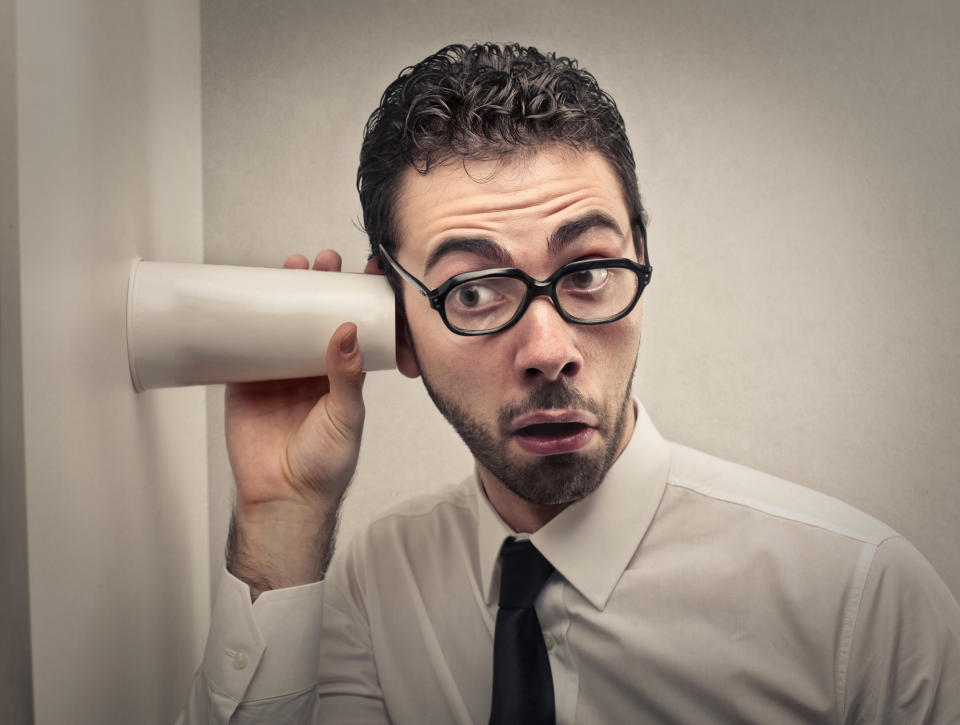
point(587, 295)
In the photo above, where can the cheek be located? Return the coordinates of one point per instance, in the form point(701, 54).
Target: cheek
point(629, 334)
point(610, 357)
point(425, 327)
point(454, 364)
point(616, 341)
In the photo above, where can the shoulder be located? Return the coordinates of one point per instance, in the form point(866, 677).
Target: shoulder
point(836, 574)
point(757, 495)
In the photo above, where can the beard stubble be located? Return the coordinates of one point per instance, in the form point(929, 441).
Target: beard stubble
point(545, 480)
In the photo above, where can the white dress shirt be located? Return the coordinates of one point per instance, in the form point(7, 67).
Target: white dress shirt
point(687, 590)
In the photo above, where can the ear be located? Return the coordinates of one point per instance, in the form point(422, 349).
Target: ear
point(406, 360)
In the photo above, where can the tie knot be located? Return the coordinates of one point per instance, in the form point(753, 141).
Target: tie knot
point(524, 571)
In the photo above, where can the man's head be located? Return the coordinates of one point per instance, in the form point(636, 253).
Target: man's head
point(486, 102)
point(490, 157)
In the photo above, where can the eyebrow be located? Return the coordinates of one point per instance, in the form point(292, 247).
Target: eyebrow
point(479, 246)
point(573, 230)
point(500, 257)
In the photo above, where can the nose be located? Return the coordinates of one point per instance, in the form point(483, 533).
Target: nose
point(546, 344)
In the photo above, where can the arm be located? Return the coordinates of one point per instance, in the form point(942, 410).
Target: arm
point(293, 448)
point(904, 662)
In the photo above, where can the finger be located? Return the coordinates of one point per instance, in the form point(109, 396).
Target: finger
point(327, 261)
point(345, 372)
point(296, 261)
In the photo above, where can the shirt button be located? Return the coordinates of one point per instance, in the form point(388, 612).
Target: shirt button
point(240, 660)
point(550, 641)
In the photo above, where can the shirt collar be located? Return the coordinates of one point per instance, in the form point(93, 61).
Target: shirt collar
point(591, 542)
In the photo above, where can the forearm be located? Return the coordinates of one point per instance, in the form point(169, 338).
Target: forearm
point(277, 546)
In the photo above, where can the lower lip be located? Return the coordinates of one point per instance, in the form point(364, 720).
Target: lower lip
point(551, 445)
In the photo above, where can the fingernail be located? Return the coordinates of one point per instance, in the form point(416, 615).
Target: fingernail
point(349, 343)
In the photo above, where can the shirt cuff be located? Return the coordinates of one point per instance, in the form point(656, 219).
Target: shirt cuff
point(267, 648)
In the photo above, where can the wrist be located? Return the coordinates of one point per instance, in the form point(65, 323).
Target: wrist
point(271, 547)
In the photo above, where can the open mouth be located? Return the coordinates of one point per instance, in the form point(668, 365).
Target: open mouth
point(552, 429)
point(548, 439)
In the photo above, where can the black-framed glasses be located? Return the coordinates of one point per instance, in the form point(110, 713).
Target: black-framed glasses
point(587, 292)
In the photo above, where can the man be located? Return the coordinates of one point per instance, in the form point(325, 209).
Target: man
point(500, 198)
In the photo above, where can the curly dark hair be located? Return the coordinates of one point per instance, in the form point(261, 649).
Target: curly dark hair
point(485, 102)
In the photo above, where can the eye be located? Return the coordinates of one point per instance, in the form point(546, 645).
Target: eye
point(586, 280)
point(473, 296)
point(484, 303)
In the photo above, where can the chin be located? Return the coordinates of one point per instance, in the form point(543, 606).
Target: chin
point(551, 480)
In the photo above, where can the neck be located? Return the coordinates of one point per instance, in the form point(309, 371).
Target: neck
point(526, 517)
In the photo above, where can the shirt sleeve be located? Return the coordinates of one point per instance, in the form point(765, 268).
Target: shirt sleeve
point(904, 663)
point(260, 661)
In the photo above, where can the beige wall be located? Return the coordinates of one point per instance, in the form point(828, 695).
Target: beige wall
point(16, 691)
point(107, 109)
point(799, 164)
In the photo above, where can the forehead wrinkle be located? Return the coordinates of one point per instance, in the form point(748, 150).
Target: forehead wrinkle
point(498, 205)
point(445, 208)
point(484, 218)
point(490, 250)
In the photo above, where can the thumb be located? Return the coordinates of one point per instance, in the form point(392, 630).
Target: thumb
point(345, 371)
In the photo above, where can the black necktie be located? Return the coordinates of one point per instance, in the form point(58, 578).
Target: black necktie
point(522, 685)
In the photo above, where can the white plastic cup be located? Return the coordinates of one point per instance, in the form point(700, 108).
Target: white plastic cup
point(199, 324)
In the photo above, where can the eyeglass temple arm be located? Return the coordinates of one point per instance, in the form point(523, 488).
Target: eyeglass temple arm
point(402, 272)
